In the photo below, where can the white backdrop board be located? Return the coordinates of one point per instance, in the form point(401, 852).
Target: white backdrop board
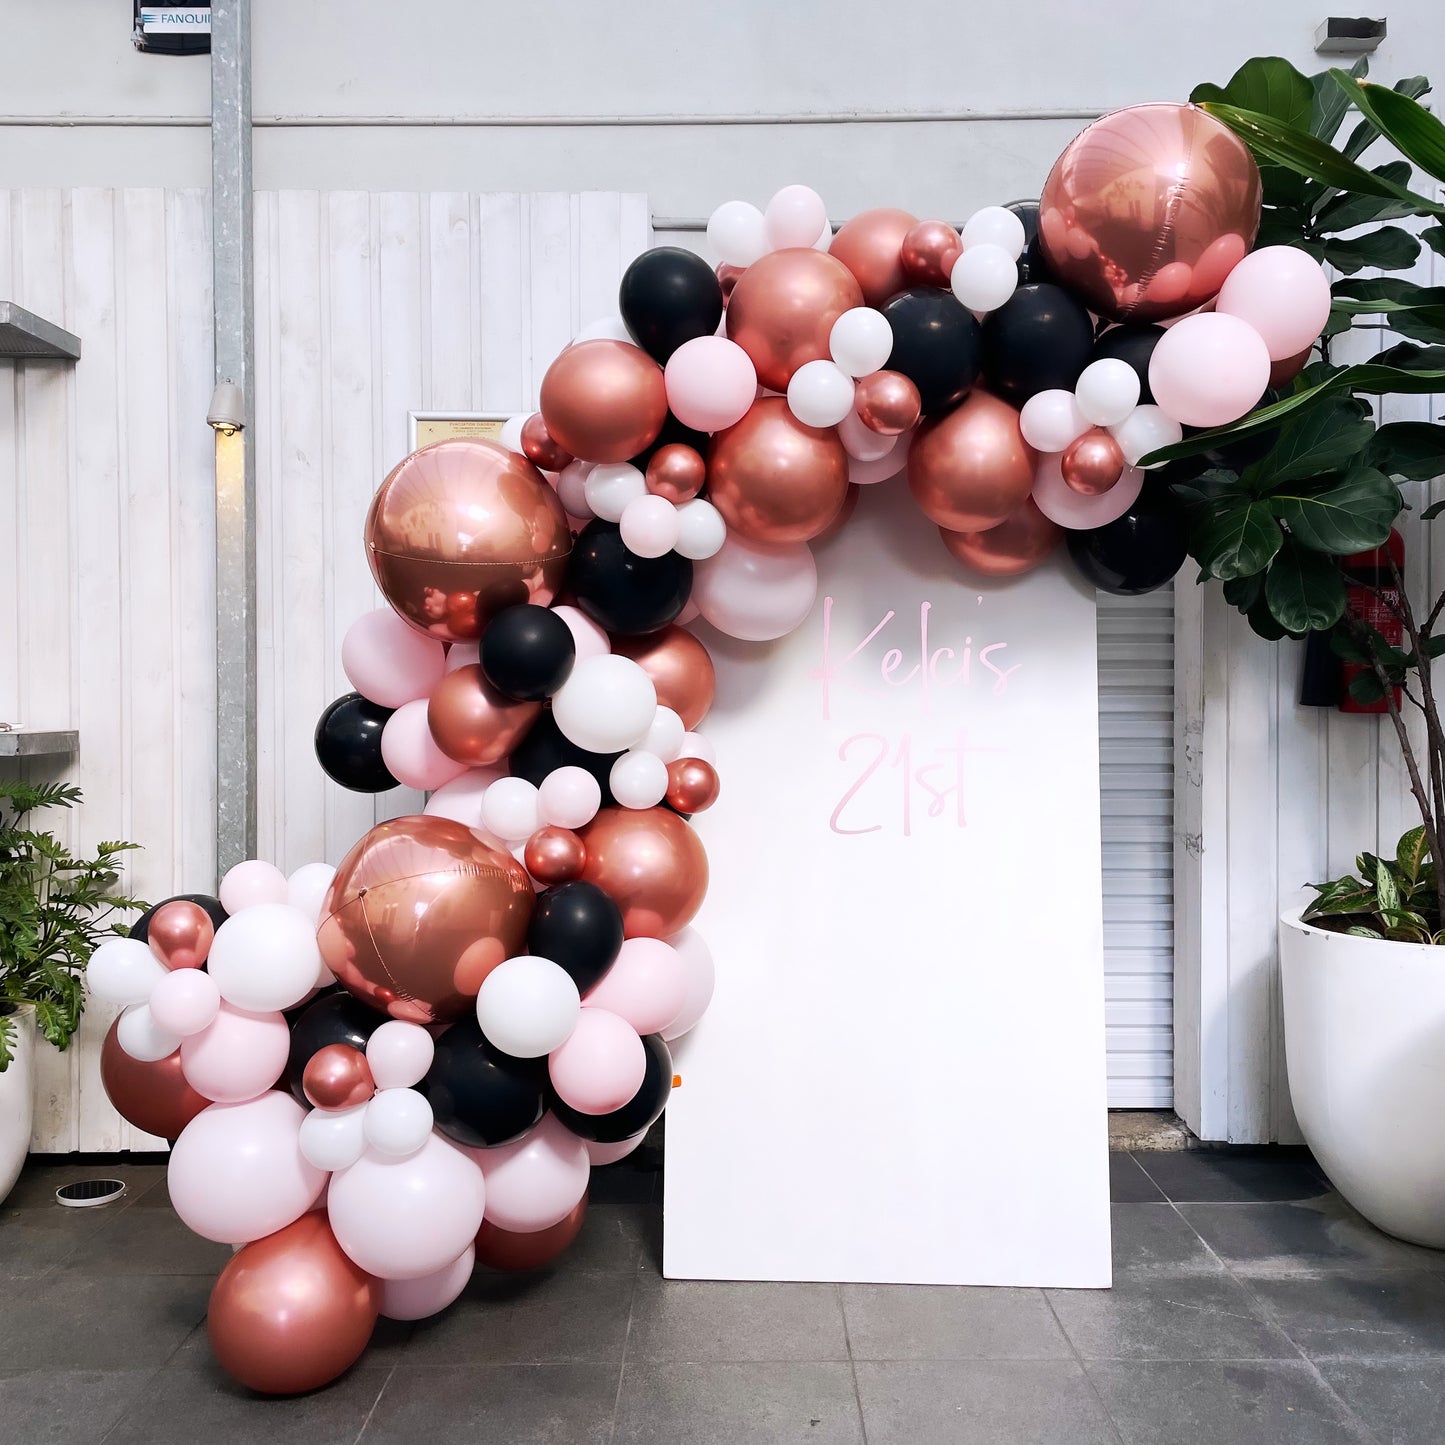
point(901, 1077)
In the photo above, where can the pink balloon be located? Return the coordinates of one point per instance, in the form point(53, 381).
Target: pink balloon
point(711, 383)
point(461, 799)
point(590, 639)
point(796, 216)
point(184, 1002)
point(237, 1172)
point(416, 1299)
point(756, 590)
point(647, 985)
point(1060, 503)
point(463, 654)
point(611, 1153)
point(250, 883)
point(388, 662)
point(880, 469)
point(862, 443)
point(410, 751)
point(1283, 294)
point(602, 1064)
point(535, 1181)
point(1209, 369)
point(697, 964)
point(399, 1054)
point(239, 1056)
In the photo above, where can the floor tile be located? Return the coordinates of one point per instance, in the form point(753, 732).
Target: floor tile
point(1155, 1238)
point(69, 1406)
point(1128, 1183)
point(1403, 1403)
point(146, 1241)
point(941, 1322)
point(626, 1182)
point(1044, 1402)
point(509, 1404)
point(738, 1404)
point(35, 1241)
point(611, 1238)
point(703, 1320)
point(1359, 1316)
point(1274, 1403)
point(35, 1189)
point(1234, 1176)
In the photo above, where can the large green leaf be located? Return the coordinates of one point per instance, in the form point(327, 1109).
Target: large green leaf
point(1413, 131)
point(1434, 238)
point(1347, 516)
point(1304, 589)
point(1413, 450)
point(1419, 323)
point(1320, 440)
point(1348, 211)
point(1388, 248)
point(1366, 133)
point(1236, 539)
point(1378, 295)
point(1269, 85)
point(1330, 103)
point(1411, 851)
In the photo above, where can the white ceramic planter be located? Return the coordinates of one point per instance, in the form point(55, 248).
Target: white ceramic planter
point(17, 1100)
point(1364, 1028)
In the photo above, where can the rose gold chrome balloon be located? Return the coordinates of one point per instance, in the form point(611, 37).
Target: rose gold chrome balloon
point(1092, 462)
point(1017, 545)
point(692, 785)
point(677, 472)
point(783, 308)
point(155, 1097)
point(680, 668)
point(774, 479)
point(1281, 373)
point(539, 447)
point(929, 250)
point(604, 401)
point(462, 529)
point(651, 863)
point(472, 722)
point(419, 913)
point(970, 469)
point(1146, 211)
point(850, 505)
point(554, 855)
point(871, 247)
point(505, 1249)
point(337, 1077)
point(180, 934)
point(887, 402)
point(727, 277)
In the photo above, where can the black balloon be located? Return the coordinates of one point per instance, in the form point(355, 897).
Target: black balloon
point(669, 296)
point(141, 928)
point(579, 928)
point(545, 749)
point(348, 744)
point(1032, 266)
point(1039, 339)
point(638, 1113)
point(527, 652)
point(1134, 344)
point(936, 345)
point(334, 1018)
point(479, 1095)
point(1137, 552)
point(621, 591)
point(1236, 456)
point(672, 432)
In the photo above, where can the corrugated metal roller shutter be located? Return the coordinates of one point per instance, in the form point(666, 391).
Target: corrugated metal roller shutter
point(1136, 748)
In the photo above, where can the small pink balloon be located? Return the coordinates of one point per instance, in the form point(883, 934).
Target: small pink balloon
point(880, 469)
point(184, 1002)
point(461, 799)
point(696, 959)
point(796, 216)
point(1283, 294)
point(463, 654)
point(647, 985)
point(602, 1064)
point(238, 1056)
point(611, 1153)
point(410, 751)
point(251, 883)
point(399, 1054)
point(535, 1181)
point(1061, 504)
point(861, 442)
point(389, 662)
point(417, 1299)
point(589, 638)
point(711, 383)
point(1209, 369)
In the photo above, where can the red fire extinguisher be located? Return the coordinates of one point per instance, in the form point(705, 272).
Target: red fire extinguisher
point(1372, 594)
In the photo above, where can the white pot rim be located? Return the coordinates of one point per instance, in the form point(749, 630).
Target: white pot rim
point(1291, 918)
point(20, 1010)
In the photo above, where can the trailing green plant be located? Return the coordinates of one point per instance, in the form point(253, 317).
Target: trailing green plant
point(1392, 898)
point(55, 907)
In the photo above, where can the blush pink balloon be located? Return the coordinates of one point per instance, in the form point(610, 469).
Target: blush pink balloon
point(756, 591)
point(461, 799)
point(184, 1002)
point(535, 1181)
point(647, 985)
point(796, 216)
point(711, 383)
point(239, 1056)
point(862, 443)
point(880, 469)
point(589, 638)
point(410, 751)
point(1209, 369)
point(251, 883)
point(611, 1153)
point(696, 960)
point(602, 1064)
point(417, 1299)
point(1061, 504)
point(389, 662)
point(463, 654)
point(1283, 294)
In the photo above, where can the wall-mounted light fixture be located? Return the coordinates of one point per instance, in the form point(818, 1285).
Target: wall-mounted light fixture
point(228, 408)
point(1341, 35)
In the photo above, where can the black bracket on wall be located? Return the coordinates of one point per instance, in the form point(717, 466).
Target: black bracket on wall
point(166, 27)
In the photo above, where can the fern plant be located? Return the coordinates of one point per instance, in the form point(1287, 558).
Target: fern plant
point(55, 907)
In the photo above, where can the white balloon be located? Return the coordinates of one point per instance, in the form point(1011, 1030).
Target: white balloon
point(984, 277)
point(334, 1138)
point(572, 489)
point(794, 217)
point(861, 341)
point(417, 1299)
point(1144, 430)
point(265, 957)
point(701, 530)
point(511, 434)
point(995, 226)
point(123, 971)
point(610, 487)
point(461, 799)
point(569, 797)
point(638, 780)
point(665, 736)
point(756, 591)
point(738, 233)
point(509, 809)
point(140, 1036)
point(820, 394)
point(588, 638)
point(650, 526)
point(307, 887)
point(606, 704)
point(397, 1122)
point(399, 1054)
point(701, 977)
point(249, 883)
point(462, 654)
point(528, 1006)
point(696, 745)
point(606, 328)
point(1050, 420)
point(1107, 391)
point(825, 237)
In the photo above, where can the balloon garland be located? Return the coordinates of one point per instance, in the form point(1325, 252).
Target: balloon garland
point(378, 1074)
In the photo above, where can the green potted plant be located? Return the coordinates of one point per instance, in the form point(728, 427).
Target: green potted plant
point(1284, 497)
point(55, 906)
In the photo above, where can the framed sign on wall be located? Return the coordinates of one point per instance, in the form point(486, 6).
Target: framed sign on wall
point(426, 427)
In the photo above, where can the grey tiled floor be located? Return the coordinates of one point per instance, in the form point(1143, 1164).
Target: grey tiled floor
point(1250, 1304)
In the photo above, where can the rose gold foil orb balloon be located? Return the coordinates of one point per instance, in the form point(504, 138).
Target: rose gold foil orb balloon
point(1015, 546)
point(651, 863)
point(420, 912)
point(462, 529)
point(1148, 210)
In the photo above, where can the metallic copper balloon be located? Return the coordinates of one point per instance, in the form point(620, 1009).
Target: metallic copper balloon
point(887, 402)
point(604, 401)
point(677, 472)
point(155, 1096)
point(539, 447)
point(337, 1077)
point(420, 912)
point(462, 529)
point(180, 934)
point(783, 308)
point(505, 1249)
point(929, 250)
point(774, 479)
point(1146, 211)
point(1018, 544)
point(291, 1312)
point(1092, 462)
point(970, 469)
point(554, 855)
point(651, 863)
point(871, 247)
point(727, 277)
point(1281, 373)
point(474, 723)
point(692, 785)
point(680, 668)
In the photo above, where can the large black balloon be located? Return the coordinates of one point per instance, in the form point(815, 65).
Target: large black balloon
point(335, 1018)
point(672, 432)
point(936, 345)
point(527, 652)
point(1137, 552)
point(579, 928)
point(140, 930)
point(1236, 456)
point(348, 744)
point(1134, 344)
point(545, 749)
point(638, 1113)
point(669, 296)
point(479, 1095)
point(1032, 266)
point(621, 591)
point(1038, 340)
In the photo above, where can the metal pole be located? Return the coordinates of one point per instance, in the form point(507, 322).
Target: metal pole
point(231, 239)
